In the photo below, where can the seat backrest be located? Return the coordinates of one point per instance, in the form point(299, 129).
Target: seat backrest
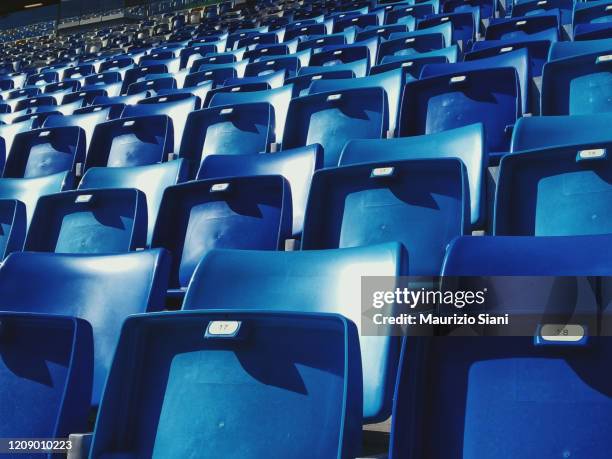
point(466, 143)
point(86, 121)
point(296, 166)
point(9, 131)
point(103, 290)
point(291, 366)
point(565, 49)
point(152, 180)
point(556, 191)
point(538, 51)
point(87, 222)
point(46, 151)
point(318, 281)
point(46, 375)
point(333, 118)
point(133, 141)
point(233, 213)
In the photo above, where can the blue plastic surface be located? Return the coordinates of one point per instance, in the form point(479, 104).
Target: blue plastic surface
point(563, 49)
point(295, 373)
point(539, 26)
point(314, 277)
point(103, 290)
point(333, 118)
point(86, 121)
point(538, 51)
point(235, 213)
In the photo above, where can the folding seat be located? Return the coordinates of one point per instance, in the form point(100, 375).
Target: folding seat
point(576, 85)
point(465, 143)
point(215, 58)
point(407, 11)
point(539, 27)
point(131, 142)
point(343, 54)
point(488, 96)
point(237, 212)
point(86, 97)
point(8, 133)
point(116, 64)
point(133, 75)
point(62, 87)
point(38, 79)
point(151, 87)
point(33, 102)
point(542, 192)
point(564, 49)
point(590, 20)
point(172, 65)
point(316, 369)
point(518, 59)
point(201, 50)
point(103, 290)
point(28, 190)
point(448, 54)
point(263, 51)
point(304, 30)
point(318, 42)
point(79, 71)
point(317, 281)
point(278, 98)
point(94, 221)
point(541, 367)
point(152, 180)
point(535, 7)
point(410, 68)
point(21, 93)
point(410, 45)
point(175, 106)
point(246, 87)
point(332, 118)
point(42, 152)
point(463, 24)
point(258, 39)
point(360, 68)
point(290, 64)
point(104, 78)
point(552, 131)
point(538, 51)
point(217, 76)
point(86, 121)
point(487, 7)
point(362, 21)
point(45, 375)
point(391, 82)
point(302, 83)
point(273, 80)
point(296, 166)
point(383, 32)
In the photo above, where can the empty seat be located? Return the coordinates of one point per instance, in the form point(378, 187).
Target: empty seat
point(563, 49)
point(333, 118)
point(47, 151)
point(85, 97)
point(320, 281)
point(239, 213)
point(46, 375)
point(577, 85)
point(488, 96)
point(175, 106)
point(150, 87)
point(517, 59)
point(392, 82)
point(360, 68)
point(290, 64)
point(296, 165)
point(343, 54)
point(537, 51)
point(372, 203)
point(131, 142)
point(62, 86)
point(556, 191)
point(484, 366)
point(535, 7)
point(302, 83)
point(9, 131)
point(96, 221)
point(463, 24)
point(152, 180)
point(542, 26)
point(236, 388)
point(273, 80)
point(410, 44)
point(103, 289)
point(466, 143)
point(86, 121)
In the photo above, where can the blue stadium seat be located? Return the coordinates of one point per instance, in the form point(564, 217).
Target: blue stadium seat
point(536, 7)
point(360, 68)
point(200, 50)
point(87, 222)
point(541, 27)
point(152, 180)
point(131, 142)
point(361, 22)
point(150, 87)
point(290, 64)
point(273, 80)
point(214, 58)
point(410, 66)
point(8, 133)
point(488, 96)
point(13, 225)
point(450, 54)
point(434, 198)
point(103, 289)
point(577, 85)
point(410, 44)
point(518, 59)
point(537, 50)
point(39, 79)
point(79, 71)
point(117, 63)
point(245, 87)
point(318, 281)
point(564, 49)
point(302, 83)
point(383, 32)
point(464, 24)
point(176, 106)
point(46, 375)
point(487, 7)
point(265, 51)
point(590, 17)
point(33, 102)
point(235, 213)
point(304, 30)
point(466, 143)
point(103, 78)
point(392, 82)
point(132, 75)
point(555, 191)
point(410, 11)
point(86, 121)
point(292, 368)
point(343, 54)
point(316, 43)
point(279, 99)
point(86, 97)
point(333, 118)
point(296, 166)
point(238, 129)
point(62, 86)
point(46, 151)
point(217, 76)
